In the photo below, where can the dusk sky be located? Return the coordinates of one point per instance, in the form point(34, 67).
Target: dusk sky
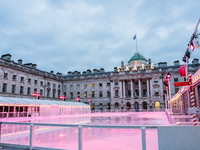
point(65, 35)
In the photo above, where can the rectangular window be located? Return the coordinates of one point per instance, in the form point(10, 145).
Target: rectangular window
point(48, 84)
point(116, 83)
point(78, 94)
point(156, 93)
point(21, 90)
point(85, 85)
point(28, 91)
point(54, 85)
point(41, 83)
point(93, 93)
point(71, 94)
point(71, 87)
point(48, 92)
point(136, 92)
point(4, 90)
point(22, 79)
point(108, 84)
point(129, 93)
point(176, 90)
point(175, 79)
point(64, 87)
point(58, 86)
point(144, 92)
point(5, 76)
point(35, 82)
point(54, 93)
point(100, 94)
point(35, 90)
point(85, 94)
point(108, 93)
point(144, 83)
point(13, 88)
point(116, 93)
point(93, 84)
point(155, 81)
point(29, 80)
point(136, 83)
point(14, 77)
point(65, 94)
point(41, 91)
point(58, 93)
point(100, 84)
point(78, 86)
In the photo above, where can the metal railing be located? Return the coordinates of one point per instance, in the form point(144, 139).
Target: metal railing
point(13, 114)
point(128, 110)
point(80, 131)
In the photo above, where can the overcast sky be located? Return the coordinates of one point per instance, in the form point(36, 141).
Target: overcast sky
point(65, 35)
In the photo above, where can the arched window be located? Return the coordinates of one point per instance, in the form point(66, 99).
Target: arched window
point(128, 105)
point(136, 105)
point(144, 105)
point(116, 105)
point(93, 106)
point(157, 105)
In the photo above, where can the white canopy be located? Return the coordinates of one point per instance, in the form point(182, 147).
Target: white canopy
point(12, 100)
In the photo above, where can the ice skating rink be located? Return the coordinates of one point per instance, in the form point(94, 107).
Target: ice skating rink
point(93, 138)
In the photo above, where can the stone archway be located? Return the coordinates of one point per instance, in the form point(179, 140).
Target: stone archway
point(93, 106)
point(128, 105)
point(157, 105)
point(136, 105)
point(144, 105)
point(116, 105)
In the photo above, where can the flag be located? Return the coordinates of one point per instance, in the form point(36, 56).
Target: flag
point(134, 37)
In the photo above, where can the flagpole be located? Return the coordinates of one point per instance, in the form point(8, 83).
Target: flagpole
point(136, 45)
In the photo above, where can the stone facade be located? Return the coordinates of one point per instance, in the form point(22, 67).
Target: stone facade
point(136, 87)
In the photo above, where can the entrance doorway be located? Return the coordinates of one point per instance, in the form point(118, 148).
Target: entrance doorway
point(136, 105)
point(128, 105)
point(157, 105)
point(144, 105)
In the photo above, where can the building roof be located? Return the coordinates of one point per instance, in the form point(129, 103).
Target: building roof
point(26, 101)
point(137, 57)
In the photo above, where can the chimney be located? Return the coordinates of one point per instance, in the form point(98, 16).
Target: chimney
point(176, 63)
point(6, 56)
point(34, 66)
point(94, 70)
point(69, 73)
point(122, 64)
point(149, 61)
point(52, 71)
point(102, 70)
point(20, 61)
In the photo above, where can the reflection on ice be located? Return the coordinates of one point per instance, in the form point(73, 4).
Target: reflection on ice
point(93, 138)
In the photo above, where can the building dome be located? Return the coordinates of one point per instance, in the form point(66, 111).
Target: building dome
point(137, 57)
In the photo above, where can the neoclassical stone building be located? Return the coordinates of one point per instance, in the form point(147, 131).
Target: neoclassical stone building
point(137, 85)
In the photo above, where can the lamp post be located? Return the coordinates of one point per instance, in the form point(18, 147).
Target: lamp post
point(35, 94)
point(89, 100)
point(168, 79)
point(63, 98)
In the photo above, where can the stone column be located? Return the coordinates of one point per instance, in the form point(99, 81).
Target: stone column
point(147, 87)
point(196, 96)
point(140, 88)
point(161, 87)
point(124, 96)
point(132, 89)
point(120, 89)
point(151, 89)
point(112, 89)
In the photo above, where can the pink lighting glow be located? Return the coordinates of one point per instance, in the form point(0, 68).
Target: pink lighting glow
point(62, 97)
point(36, 94)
